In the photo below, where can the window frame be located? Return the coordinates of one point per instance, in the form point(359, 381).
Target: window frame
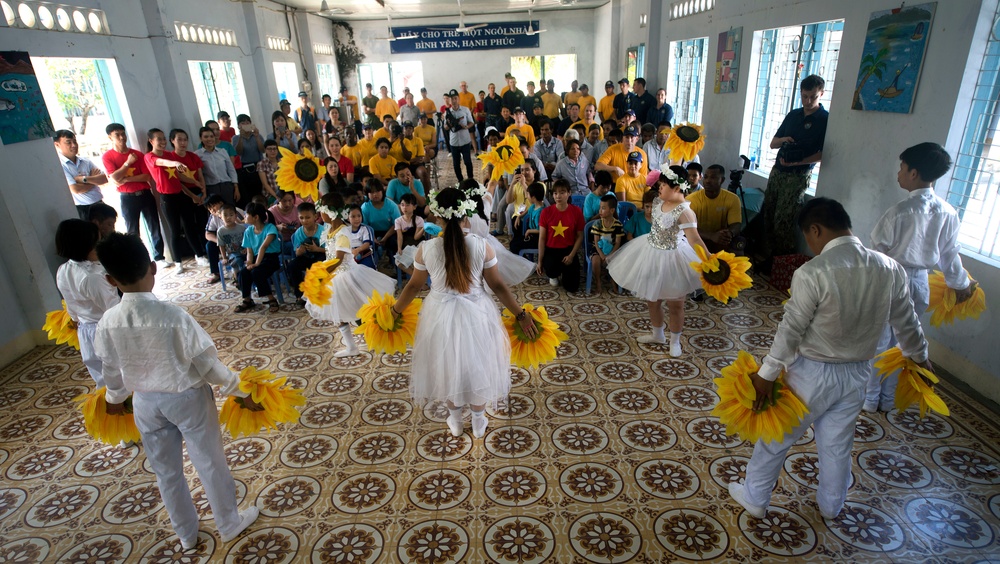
point(697, 47)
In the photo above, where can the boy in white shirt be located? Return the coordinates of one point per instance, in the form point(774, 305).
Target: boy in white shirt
point(840, 301)
point(921, 233)
point(157, 352)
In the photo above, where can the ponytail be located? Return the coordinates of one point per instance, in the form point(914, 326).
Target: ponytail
point(456, 257)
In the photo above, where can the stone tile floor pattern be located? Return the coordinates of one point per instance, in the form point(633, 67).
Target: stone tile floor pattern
point(608, 454)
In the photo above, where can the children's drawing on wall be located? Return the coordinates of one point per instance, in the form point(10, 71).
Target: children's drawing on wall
point(727, 62)
point(892, 58)
point(23, 115)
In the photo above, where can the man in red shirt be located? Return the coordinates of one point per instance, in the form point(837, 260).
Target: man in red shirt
point(127, 170)
point(226, 131)
point(560, 236)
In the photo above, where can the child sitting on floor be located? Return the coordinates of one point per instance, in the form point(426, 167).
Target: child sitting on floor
point(307, 247)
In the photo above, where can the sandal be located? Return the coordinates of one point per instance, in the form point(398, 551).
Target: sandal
point(245, 307)
point(272, 306)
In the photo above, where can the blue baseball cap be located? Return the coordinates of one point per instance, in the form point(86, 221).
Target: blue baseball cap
point(631, 131)
point(635, 156)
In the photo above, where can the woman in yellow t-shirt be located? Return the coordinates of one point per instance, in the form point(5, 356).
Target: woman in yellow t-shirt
point(381, 165)
point(632, 185)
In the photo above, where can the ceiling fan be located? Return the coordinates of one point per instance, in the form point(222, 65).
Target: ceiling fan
point(462, 28)
point(326, 10)
point(531, 30)
point(394, 37)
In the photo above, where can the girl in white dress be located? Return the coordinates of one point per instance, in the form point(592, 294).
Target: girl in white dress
point(461, 353)
point(514, 269)
point(353, 283)
point(656, 266)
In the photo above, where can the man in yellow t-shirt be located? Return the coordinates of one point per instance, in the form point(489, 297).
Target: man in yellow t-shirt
point(351, 102)
point(398, 143)
point(386, 129)
point(551, 102)
point(381, 165)
point(521, 124)
point(386, 105)
point(632, 185)
point(466, 98)
point(426, 105)
point(585, 97)
point(366, 147)
point(719, 211)
point(506, 78)
point(427, 135)
point(589, 113)
point(615, 159)
point(573, 95)
point(419, 156)
point(606, 109)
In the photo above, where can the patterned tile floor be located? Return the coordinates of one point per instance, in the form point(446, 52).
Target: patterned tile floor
point(608, 454)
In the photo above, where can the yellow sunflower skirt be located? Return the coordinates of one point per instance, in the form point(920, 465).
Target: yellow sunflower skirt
point(109, 429)
point(911, 388)
point(525, 352)
point(723, 274)
point(505, 157)
point(736, 397)
point(279, 404)
point(383, 332)
point(61, 328)
point(317, 286)
point(299, 173)
point(943, 308)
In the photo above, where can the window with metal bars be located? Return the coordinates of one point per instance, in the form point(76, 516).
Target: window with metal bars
point(686, 86)
point(975, 180)
point(786, 55)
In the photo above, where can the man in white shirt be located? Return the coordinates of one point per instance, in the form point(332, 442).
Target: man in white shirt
point(82, 176)
point(458, 121)
point(157, 352)
point(220, 174)
point(548, 148)
point(840, 301)
point(656, 148)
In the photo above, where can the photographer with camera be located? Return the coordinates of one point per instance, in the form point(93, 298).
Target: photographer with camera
point(458, 121)
point(800, 143)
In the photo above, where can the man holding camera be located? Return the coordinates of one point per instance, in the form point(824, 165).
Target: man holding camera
point(800, 143)
point(458, 121)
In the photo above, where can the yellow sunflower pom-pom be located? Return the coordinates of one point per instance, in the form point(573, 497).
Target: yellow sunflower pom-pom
point(279, 403)
point(317, 286)
point(736, 398)
point(383, 331)
point(942, 306)
point(525, 352)
point(505, 157)
point(61, 328)
point(109, 429)
point(911, 388)
point(299, 173)
point(723, 274)
point(685, 141)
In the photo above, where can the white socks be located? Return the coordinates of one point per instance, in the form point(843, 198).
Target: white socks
point(675, 343)
point(479, 423)
point(656, 336)
point(350, 347)
point(455, 421)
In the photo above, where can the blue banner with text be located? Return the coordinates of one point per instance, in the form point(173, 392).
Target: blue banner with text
point(505, 35)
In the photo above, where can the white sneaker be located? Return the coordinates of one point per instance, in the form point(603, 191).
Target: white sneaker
point(201, 261)
point(179, 267)
point(354, 351)
point(455, 426)
point(479, 425)
point(247, 517)
point(162, 264)
point(827, 516)
point(675, 349)
point(652, 339)
point(189, 544)
point(870, 406)
point(553, 281)
point(736, 491)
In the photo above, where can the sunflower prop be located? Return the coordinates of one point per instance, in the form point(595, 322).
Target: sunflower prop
point(299, 173)
point(942, 302)
point(911, 388)
point(278, 401)
point(61, 328)
point(317, 286)
point(685, 141)
point(505, 157)
point(109, 429)
point(736, 398)
point(526, 352)
point(383, 331)
point(723, 274)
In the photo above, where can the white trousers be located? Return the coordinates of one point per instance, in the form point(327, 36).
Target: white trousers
point(167, 419)
point(85, 334)
point(834, 394)
point(884, 391)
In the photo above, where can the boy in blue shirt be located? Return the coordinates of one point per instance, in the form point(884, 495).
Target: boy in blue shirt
point(602, 185)
point(380, 214)
point(528, 220)
point(308, 247)
point(641, 223)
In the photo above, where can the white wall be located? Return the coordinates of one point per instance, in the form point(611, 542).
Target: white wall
point(860, 159)
point(569, 31)
point(603, 24)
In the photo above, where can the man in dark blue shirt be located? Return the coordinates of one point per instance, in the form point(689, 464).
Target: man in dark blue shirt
point(799, 141)
point(624, 100)
point(643, 101)
point(661, 113)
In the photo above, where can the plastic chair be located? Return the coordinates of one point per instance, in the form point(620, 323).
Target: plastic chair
point(625, 211)
point(277, 278)
point(578, 200)
point(588, 247)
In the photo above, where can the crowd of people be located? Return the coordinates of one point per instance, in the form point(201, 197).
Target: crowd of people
point(588, 190)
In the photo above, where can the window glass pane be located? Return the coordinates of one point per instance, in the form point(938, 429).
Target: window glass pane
point(561, 69)
point(524, 69)
point(407, 74)
point(286, 77)
point(218, 85)
point(686, 86)
point(326, 80)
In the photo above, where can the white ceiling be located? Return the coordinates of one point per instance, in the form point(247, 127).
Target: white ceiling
point(372, 10)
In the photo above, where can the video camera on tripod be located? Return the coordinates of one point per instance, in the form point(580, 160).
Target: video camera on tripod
point(736, 176)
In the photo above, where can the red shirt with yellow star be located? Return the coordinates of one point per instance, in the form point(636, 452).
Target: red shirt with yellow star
point(113, 160)
point(167, 178)
point(561, 227)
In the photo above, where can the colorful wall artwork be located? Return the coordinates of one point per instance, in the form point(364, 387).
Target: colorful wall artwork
point(892, 58)
point(727, 63)
point(23, 115)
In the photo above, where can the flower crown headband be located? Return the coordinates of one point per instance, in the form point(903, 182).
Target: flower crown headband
point(676, 179)
point(477, 191)
point(344, 214)
point(465, 208)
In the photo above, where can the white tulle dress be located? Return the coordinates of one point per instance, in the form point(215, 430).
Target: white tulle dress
point(657, 266)
point(461, 351)
point(514, 269)
point(353, 283)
